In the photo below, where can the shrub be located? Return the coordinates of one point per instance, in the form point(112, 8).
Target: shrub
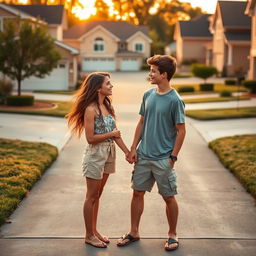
point(189, 61)
point(250, 84)
point(206, 87)
point(6, 87)
point(203, 71)
point(186, 89)
point(23, 100)
point(225, 94)
point(230, 81)
point(145, 67)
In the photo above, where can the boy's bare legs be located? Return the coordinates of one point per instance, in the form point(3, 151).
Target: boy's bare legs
point(172, 212)
point(137, 207)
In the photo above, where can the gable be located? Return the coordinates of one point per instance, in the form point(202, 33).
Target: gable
point(99, 31)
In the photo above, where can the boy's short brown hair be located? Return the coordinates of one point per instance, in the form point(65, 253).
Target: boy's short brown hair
point(165, 63)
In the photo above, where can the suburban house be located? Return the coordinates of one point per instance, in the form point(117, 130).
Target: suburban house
point(64, 76)
point(231, 29)
point(194, 40)
point(109, 45)
point(251, 11)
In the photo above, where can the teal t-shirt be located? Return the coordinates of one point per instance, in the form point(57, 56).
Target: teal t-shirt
point(161, 113)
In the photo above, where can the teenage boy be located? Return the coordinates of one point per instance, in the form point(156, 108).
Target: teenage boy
point(159, 133)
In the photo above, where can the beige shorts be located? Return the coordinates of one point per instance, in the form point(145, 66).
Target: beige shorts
point(98, 159)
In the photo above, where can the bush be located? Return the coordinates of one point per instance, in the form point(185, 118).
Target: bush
point(225, 94)
point(251, 85)
point(206, 87)
point(203, 71)
point(23, 100)
point(189, 61)
point(145, 67)
point(5, 87)
point(230, 81)
point(186, 89)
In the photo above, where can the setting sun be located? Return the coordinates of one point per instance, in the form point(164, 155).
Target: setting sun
point(84, 9)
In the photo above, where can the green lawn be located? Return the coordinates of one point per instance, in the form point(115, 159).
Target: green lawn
point(217, 88)
point(61, 110)
point(22, 164)
point(215, 99)
point(225, 113)
point(56, 92)
point(238, 154)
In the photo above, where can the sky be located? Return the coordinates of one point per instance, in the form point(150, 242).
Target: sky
point(206, 5)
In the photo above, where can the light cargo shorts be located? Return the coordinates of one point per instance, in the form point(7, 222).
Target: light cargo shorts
point(98, 159)
point(147, 172)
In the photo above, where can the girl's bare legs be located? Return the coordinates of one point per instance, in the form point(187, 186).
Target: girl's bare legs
point(92, 196)
point(96, 208)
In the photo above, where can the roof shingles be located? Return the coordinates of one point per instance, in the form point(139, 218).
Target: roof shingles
point(52, 14)
point(121, 29)
point(198, 27)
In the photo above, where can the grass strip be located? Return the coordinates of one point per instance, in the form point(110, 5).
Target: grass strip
point(61, 110)
point(55, 92)
point(217, 88)
point(215, 99)
point(238, 154)
point(223, 113)
point(21, 165)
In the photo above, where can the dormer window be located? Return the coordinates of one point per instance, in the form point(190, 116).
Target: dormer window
point(138, 47)
point(98, 44)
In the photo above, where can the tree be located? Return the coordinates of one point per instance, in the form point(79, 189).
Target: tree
point(26, 50)
point(102, 9)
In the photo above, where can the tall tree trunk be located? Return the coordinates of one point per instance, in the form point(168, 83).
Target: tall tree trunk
point(19, 87)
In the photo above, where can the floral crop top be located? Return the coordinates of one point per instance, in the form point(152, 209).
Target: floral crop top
point(104, 124)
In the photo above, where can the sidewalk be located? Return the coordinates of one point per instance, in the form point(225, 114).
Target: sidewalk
point(213, 220)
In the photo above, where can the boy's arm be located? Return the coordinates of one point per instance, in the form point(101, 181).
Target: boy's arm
point(181, 132)
point(136, 140)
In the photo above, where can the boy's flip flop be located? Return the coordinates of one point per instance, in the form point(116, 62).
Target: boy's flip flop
point(127, 239)
point(171, 241)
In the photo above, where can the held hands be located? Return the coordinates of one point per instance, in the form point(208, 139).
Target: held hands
point(131, 157)
point(116, 133)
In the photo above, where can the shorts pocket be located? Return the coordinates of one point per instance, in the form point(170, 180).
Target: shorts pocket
point(172, 177)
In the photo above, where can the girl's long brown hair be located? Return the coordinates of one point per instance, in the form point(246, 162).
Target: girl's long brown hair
point(87, 94)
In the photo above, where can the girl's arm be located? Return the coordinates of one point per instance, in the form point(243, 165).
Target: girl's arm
point(92, 138)
point(120, 143)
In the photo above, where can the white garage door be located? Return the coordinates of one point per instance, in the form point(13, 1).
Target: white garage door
point(99, 64)
point(57, 80)
point(129, 64)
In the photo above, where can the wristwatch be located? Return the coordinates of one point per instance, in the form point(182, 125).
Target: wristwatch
point(174, 158)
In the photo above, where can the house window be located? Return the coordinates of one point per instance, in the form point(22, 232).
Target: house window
point(138, 47)
point(98, 44)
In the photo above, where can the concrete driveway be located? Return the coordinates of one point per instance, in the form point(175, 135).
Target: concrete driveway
point(217, 216)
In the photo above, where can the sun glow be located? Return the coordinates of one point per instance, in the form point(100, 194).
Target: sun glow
point(84, 9)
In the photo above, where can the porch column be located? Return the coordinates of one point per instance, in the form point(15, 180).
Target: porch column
point(74, 70)
point(230, 55)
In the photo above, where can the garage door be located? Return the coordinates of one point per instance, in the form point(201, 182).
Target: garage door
point(98, 64)
point(129, 64)
point(57, 80)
